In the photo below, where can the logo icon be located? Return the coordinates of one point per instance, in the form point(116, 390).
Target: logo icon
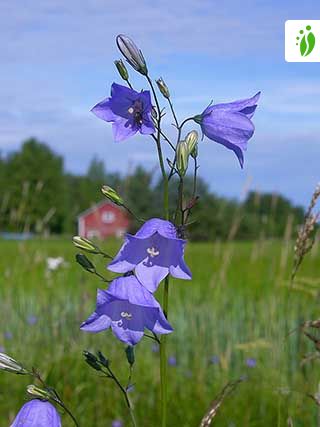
point(306, 40)
point(302, 41)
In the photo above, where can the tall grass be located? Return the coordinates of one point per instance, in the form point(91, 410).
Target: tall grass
point(234, 309)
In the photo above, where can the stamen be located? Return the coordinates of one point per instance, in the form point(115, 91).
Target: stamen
point(153, 252)
point(126, 315)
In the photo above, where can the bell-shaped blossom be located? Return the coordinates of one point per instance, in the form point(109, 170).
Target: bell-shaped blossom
point(153, 252)
point(128, 308)
point(128, 111)
point(37, 413)
point(230, 124)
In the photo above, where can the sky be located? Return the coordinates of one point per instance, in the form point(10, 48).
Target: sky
point(57, 63)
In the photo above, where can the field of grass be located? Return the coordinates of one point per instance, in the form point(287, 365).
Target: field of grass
point(235, 309)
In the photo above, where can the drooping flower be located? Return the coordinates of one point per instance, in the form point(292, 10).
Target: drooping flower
point(37, 413)
point(128, 111)
point(128, 308)
point(230, 124)
point(153, 252)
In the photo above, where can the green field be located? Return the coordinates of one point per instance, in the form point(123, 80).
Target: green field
point(235, 308)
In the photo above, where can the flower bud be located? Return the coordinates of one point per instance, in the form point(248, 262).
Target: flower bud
point(85, 245)
point(192, 141)
point(85, 263)
point(38, 392)
point(122, 69)
point(130, 354)
point(103, 360)
point(132, 54)
point(92, 360)
point(10, 365)
point(163, 88)
point(182, 154)
point(112, 195)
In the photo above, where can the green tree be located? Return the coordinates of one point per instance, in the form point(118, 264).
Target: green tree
point(35, 187)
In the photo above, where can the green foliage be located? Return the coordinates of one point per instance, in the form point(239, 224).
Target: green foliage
point(234, 308)
point(38, 195)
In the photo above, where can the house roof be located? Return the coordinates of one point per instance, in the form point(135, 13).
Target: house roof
point(97, 206)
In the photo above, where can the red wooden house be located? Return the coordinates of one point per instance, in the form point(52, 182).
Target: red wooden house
point(103, 220)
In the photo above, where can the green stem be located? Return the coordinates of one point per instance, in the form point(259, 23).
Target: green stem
point(125, 394)
point(163, 344)
point(163, 358)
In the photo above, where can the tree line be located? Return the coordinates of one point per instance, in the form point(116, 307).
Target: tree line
point(39, 196)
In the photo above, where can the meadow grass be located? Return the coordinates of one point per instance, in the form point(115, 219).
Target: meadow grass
point(235, 308)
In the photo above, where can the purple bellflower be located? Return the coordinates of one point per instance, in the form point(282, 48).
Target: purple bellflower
point(128, 308)
point(153, 252)
point(37, 413)
point(128, 110)
point(230, 124)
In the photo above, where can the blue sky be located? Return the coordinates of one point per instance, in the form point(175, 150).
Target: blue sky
point(57, 62)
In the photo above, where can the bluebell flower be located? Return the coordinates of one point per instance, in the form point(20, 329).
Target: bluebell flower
point(128, 111)
point(32, 319)
point(37, 413)
point(127, 308)
point(117, 423)
point(230, 124)
point(172, 361)
point(153, 252)
point(251, 362)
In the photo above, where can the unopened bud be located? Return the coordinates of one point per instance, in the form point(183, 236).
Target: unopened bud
point(192, 141)
point(85, 245)
point(130, 354)
point(132, 54)
point(8, 364)
point(122, 70)
point(38, 392)
point(103, 360)
point(92, 360)
point(112, 195)
point(163, 88)
point(85, 263)
point(194, 152)
point(182, 157)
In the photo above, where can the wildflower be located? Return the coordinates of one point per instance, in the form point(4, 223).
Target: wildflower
point(128, 308)
point(54, 263)
point(117, 423)
point(32, 319)
point(128, 111)
point(229, 124)
point(251, 362)
point(37, 413)
point(215, 360)
point(153, 252)
point(132, 54)
point(172, 361)
point(8, 335)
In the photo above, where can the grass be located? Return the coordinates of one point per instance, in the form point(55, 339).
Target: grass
point(235, 308)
